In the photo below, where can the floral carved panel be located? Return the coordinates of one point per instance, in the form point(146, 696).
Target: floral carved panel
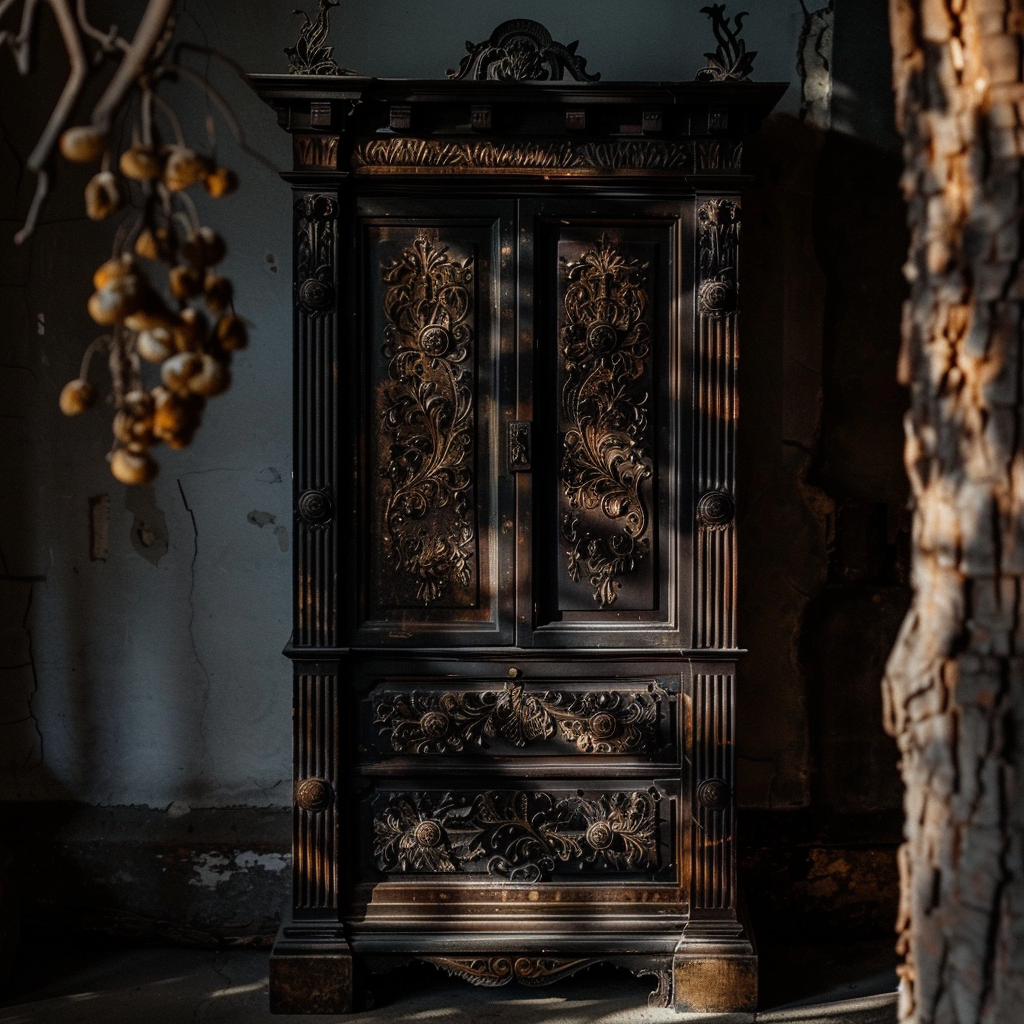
point(605, 381)
point(426, 432)
point(593, 722)
point(519, 836)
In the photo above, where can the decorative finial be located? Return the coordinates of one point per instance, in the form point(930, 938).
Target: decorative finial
point(520, 51)
point(311, 55)
point(730, 62)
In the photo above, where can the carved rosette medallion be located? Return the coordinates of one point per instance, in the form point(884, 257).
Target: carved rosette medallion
point(494, 971)
point(595, 722)
point(605, 341)
point(315, 508)
point(714, 794)
point(519, 836)
point(314, 269)
point(716, 509)
point(718, 223)
point(313, 794)
point(427, 423)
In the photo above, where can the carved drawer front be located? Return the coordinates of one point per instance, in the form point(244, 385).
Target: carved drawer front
point(524, 834)
point(478, 718)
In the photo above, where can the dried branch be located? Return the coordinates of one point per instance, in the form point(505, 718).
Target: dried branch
point(40, 155)
point(137, 56)
point(110, 42)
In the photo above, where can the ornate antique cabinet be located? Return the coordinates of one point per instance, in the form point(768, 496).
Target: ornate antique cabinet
point(515, 620)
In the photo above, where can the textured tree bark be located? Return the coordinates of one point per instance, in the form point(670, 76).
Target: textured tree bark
point(954, 685)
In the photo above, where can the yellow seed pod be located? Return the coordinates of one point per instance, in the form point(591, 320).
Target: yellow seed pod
point(140, 163)
point(115, 301)
point(84, 144)
point(133, 467)
point(155, 344)
point(203, 247)
point(213, 378)
point(154, 244)
point(190, 330)
point(112, 270)
point(184, 168)
point(231, 333)
point(102, 196)
point(186, 282)
point(218, 291)
point(76, 396)
point(221, 182)
point(178, 371)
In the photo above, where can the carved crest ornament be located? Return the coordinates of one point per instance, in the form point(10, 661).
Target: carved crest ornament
point(605, 341)
point(427, 421)
point(520, 51)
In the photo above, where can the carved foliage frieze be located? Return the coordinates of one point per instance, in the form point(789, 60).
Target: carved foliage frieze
point(604, 344)
point(316, 234)
point(427, 419)
point(718, 224)
point(595, 722)
point(519, 836)
point(482, 156)
point(519, 51)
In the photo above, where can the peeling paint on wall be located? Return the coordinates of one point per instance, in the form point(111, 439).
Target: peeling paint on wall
point(212, 869)
point(260, 518)
point(149, 528)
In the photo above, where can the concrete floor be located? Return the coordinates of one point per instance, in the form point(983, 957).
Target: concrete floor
point(74, 985)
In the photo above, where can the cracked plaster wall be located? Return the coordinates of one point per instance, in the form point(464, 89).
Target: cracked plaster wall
point(142, 631)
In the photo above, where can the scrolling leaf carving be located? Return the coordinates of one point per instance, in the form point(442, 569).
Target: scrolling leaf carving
point(516, 835)
point(596, 722)
point(522, 50)
point(730, 62)
point(494, 971)
point(314, 268)
point(427, 423)
point(605, 341)
point(718, 224)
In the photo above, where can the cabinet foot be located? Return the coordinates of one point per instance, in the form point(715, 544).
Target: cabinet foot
point(310, 971)
point(705, 983)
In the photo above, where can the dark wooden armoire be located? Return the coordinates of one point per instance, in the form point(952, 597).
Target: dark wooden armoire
point(515, 646)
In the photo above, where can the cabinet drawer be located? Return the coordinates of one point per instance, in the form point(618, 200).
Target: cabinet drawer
point(476, 718)
point(527, 832)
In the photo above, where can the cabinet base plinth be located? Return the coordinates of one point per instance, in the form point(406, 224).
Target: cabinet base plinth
point(703, 983)
point(310, 971)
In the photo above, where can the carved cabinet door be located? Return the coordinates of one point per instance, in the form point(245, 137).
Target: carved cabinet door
point(523, 422)
point(434, 542)
point(609, 499)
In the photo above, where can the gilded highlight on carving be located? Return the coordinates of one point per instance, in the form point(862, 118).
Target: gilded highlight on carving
point(427, 423)
point(595, 722)
point(515, 835)
point(483, 155)
point(605, 341)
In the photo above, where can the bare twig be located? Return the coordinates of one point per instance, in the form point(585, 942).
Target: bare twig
point(110, 42)
point(39, 158)
point(168, 111)
point(150, 32)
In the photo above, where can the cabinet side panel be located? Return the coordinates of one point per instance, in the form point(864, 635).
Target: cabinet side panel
point(315, 739)
point(316, 418)
point(715, 412)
